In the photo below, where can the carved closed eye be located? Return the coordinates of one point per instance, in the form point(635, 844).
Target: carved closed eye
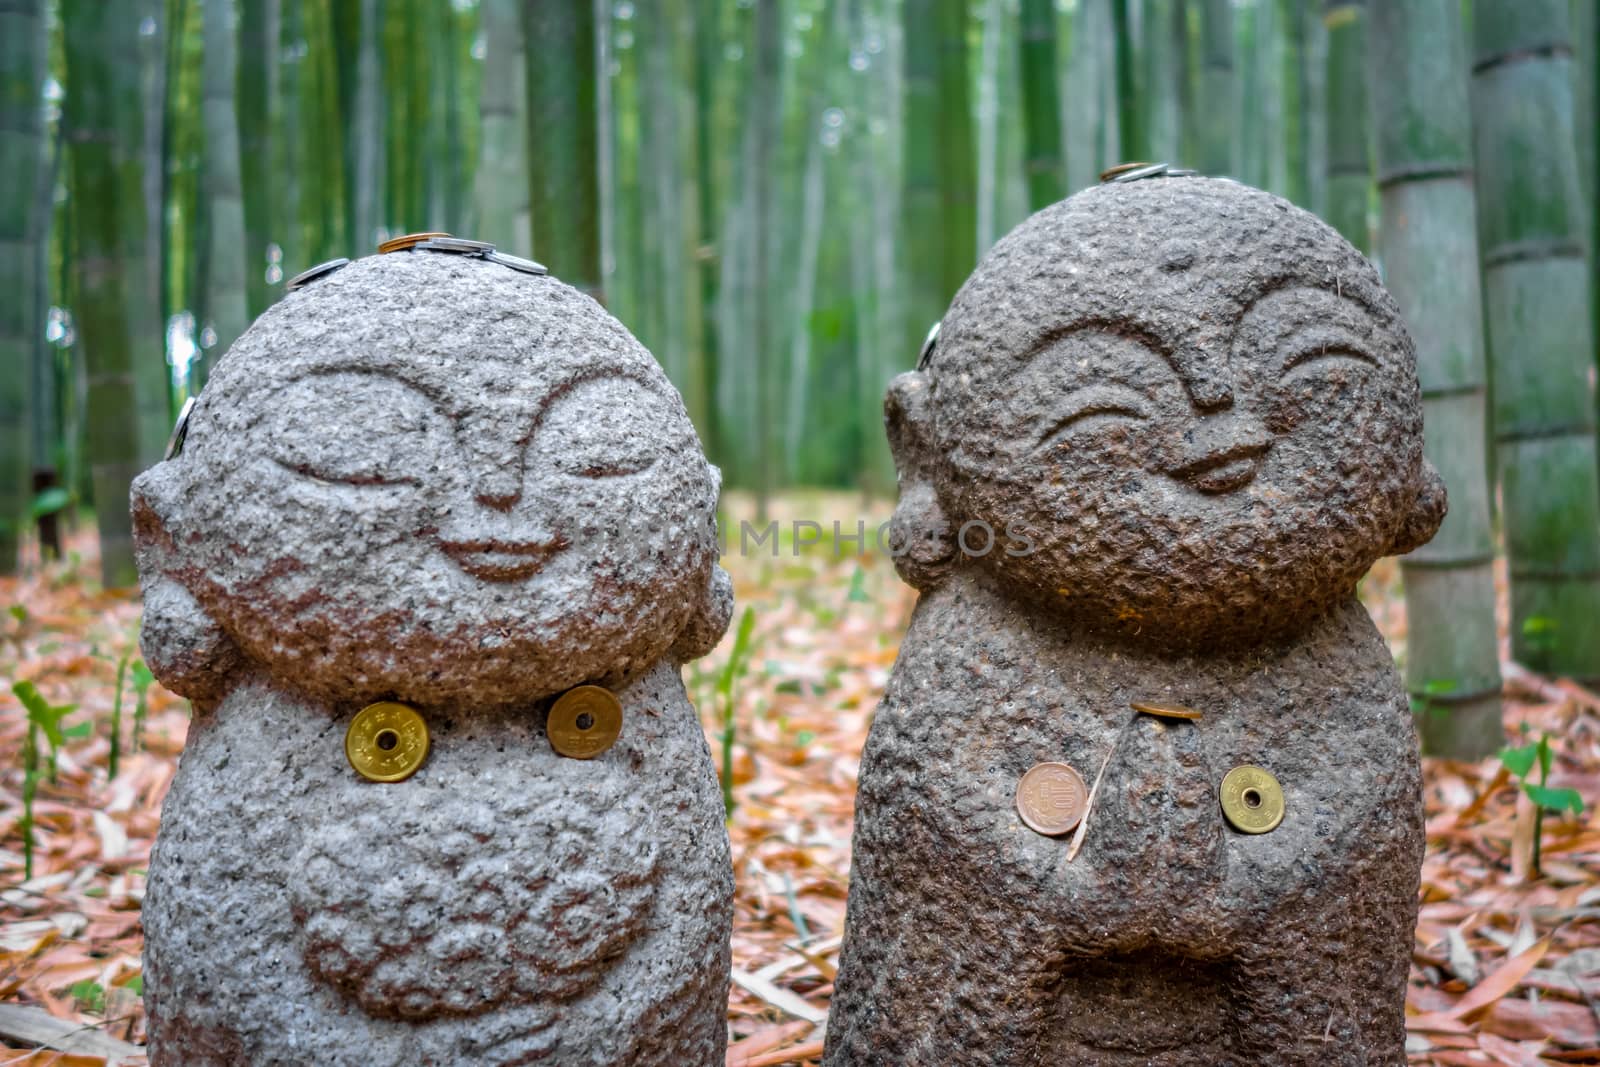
point(604, 428)
point(1095, 408)
point(353, 428)
point(1325, 359)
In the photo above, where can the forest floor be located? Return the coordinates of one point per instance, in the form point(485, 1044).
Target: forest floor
point(1506, 965)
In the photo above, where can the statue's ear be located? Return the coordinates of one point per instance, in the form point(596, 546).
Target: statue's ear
point(920, 537)
point(709, 621)
point(182, 644)
point(1426, 513)
point(713, 607)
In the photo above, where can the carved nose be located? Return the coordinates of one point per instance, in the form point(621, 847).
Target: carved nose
point(493, 464)
point(1225, 455)
point(498, 488)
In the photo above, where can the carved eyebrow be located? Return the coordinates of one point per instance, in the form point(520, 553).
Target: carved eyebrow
point(394, 374)
point(1322, 340)
point(1114, 329)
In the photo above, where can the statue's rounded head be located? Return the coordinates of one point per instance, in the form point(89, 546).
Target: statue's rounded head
point(431, 478)
point(1192, 403)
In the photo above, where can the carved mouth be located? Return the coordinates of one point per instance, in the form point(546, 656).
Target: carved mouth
point(1225, 471)
point(501, 561)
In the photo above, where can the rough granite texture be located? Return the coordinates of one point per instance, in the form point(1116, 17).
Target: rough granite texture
point(433, 479)
point(1192, 414)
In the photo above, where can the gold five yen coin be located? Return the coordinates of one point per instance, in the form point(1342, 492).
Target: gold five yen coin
point(386, 742)
point(1252, 799)
point(584, 722)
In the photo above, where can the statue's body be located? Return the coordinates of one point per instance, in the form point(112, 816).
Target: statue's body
point(1190, 414)
point(434, 480)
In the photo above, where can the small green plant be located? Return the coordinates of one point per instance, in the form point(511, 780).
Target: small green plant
point(142, 680)
point(731, 672)
point(858, 586)
point(43, 718)
point(90, 995)
point(116, 718)
point(1520, 762)
point(1539, 635)
point(1424, 705)
point(49, 502)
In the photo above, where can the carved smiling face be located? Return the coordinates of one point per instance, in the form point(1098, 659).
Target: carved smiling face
point(1198, 401)
point(437, 479)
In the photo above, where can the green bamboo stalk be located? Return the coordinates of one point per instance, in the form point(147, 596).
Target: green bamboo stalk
point(1041, 104)
point(988, 121)
point(1423, 124)
point(225, 278)
point(1349, 140)
point(255, 145)
point(707, 61)
point(1162, 107)
point(1531, 228)
point(365, 153)
point(1297, 99)
point(1130, 116)
point(562, 132)
point(1218, 151)
point(44, 415)
point(763, 127)
point(1586, 116)
point(502, 162)
point(98, 39)
point(814, 201)
point(939, 234)
point(22, 55)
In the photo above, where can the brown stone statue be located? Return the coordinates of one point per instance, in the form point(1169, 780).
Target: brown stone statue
point(438, 539)
point(1166, 427)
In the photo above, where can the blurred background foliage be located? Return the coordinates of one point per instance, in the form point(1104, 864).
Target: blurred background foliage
point(779, 197)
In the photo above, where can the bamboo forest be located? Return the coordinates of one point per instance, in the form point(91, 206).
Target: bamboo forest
point(780, 199)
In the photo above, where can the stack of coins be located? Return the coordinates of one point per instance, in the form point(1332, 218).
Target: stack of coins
point(460, 246)
point(1132, 172)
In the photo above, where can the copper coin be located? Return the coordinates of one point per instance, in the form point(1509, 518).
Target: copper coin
point(1051, 798)
point(407, 240)
point(1121, 168)
point(386, 742)
point(584, 722)
point(1165, 711)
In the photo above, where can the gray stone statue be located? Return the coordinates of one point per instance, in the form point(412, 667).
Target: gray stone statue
point(438, 538)
point(1183, 417)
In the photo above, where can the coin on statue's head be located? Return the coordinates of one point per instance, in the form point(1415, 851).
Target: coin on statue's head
point(407, 240)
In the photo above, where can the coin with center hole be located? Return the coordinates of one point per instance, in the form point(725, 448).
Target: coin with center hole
point(584, 722)
point(386, 742)
point(1051, 798)
point(1252, 800)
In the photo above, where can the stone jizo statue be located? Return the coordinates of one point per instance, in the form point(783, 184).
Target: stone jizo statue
point(439, 536)
point(1144, 787)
